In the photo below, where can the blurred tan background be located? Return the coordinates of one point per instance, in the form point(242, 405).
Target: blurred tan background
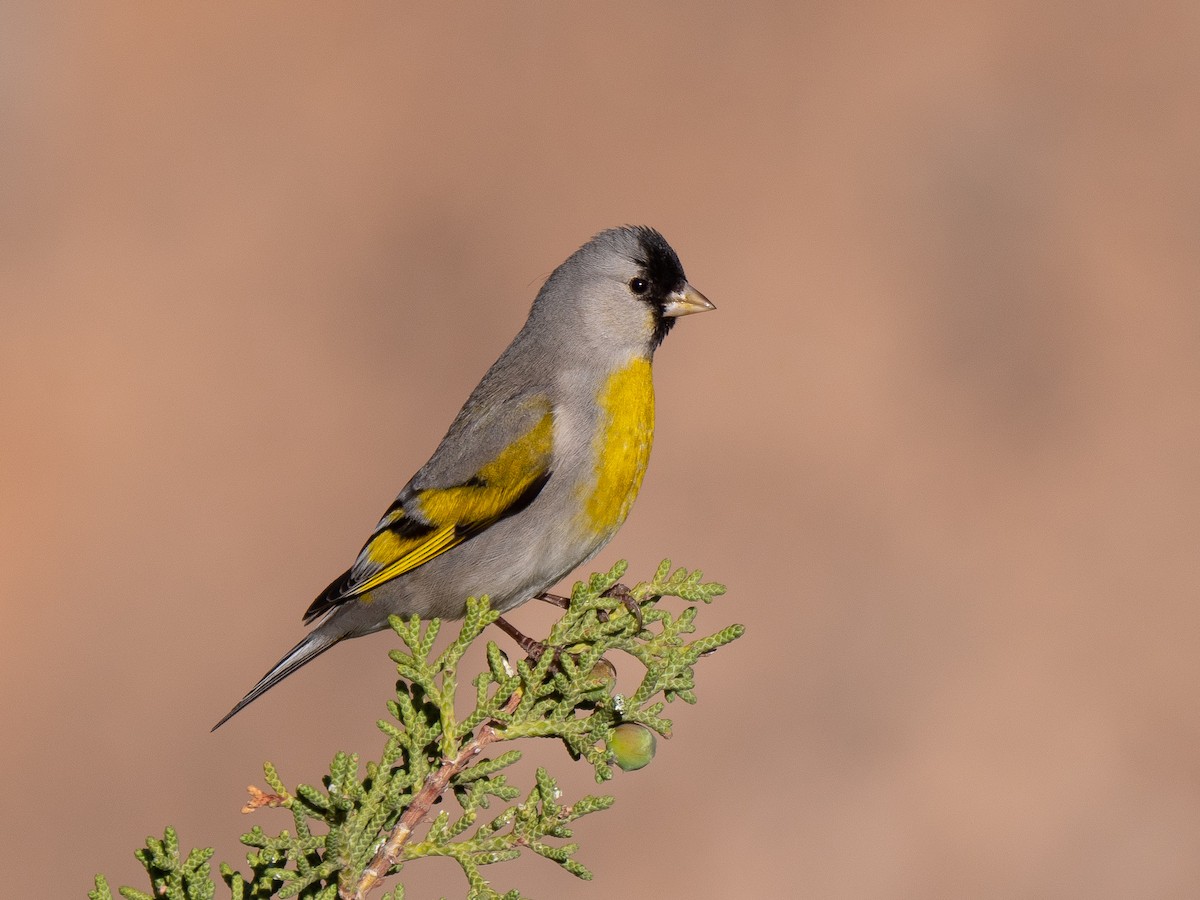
point(940, 438)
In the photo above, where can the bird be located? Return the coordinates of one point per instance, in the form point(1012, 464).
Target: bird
point(541, 465)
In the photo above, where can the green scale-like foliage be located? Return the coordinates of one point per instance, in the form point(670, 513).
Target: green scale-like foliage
point(562, 694)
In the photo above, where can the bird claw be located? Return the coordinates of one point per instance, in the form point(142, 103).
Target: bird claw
point(623, 594)
point(533, 649)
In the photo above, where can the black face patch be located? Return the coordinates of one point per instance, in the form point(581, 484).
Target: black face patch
point(661, 267)
point(658, 260)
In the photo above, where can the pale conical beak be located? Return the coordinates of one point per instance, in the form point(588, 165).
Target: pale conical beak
point(686, 301)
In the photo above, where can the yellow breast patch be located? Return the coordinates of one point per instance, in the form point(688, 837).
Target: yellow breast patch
point(621, 445)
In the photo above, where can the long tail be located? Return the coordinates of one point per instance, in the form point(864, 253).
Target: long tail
point(307, 650)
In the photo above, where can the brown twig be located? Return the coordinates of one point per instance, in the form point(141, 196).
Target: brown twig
point(437, 782)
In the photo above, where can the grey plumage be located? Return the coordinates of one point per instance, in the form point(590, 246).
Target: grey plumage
point(508, 486)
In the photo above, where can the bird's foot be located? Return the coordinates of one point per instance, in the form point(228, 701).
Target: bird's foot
point(533, 649)
point(622, 593)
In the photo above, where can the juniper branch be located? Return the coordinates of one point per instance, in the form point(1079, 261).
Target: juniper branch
point(563, 690)
point(435, 785)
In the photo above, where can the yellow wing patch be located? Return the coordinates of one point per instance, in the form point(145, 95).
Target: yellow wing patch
point(398, 554)
point(456, 513)
point(496, 486)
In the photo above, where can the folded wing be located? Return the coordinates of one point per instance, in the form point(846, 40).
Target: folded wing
point(453, 499)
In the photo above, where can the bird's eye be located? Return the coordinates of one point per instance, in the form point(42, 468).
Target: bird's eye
point(639, 285)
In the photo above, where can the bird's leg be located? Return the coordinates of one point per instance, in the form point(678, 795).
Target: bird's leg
point(533, 649)
point(622, 593)
point(556, 600)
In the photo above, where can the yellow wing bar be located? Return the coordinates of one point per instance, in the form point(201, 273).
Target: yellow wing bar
point(405, 554)
point(500, 488)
